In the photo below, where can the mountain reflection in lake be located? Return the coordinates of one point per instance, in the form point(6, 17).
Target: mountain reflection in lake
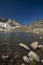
point(11, 39)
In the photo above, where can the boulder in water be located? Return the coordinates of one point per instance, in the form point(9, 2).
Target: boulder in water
point(42, 61)
point(17, 54)
point(3, 56)
point(34, 56)
point(24, 46)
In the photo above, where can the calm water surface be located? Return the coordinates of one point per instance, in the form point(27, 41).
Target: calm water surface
point(8, 39)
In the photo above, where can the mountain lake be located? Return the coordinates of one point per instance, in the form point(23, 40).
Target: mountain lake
point(9, 42)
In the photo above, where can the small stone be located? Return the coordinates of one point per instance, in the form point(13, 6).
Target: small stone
point(5, 58)
point(34, 45)
point(40, 37)
point(42, 61)
point(40, 46)
point(25, 58)
point(22, 64)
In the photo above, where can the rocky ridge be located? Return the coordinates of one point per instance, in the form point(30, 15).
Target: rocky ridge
point(10, 25)
point(36, 26)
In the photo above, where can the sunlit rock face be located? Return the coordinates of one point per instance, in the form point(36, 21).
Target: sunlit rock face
point(9, 24)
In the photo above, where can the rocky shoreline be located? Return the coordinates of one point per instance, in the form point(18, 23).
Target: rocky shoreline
point(33, 53)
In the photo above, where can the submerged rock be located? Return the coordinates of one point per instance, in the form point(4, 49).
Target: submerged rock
point(41, 37)
point(17, 54)
point(5, 56)
point(34, 45)
point(5, 59)
point(25, 58)
point(22, 64)
point(40, 46)
point(24, 46)
point(42, 61)
point(34, 56)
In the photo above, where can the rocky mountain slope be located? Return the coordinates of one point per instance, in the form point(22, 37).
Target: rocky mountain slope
point(8, 24)
point(15, 26)
point(36, 27)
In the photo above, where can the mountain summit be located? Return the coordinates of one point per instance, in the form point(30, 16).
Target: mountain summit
point(10, 22)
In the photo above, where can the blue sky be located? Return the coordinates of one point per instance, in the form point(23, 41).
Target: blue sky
point(25, 11)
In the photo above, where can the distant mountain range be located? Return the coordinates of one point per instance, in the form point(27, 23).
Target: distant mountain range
point(15, 26)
